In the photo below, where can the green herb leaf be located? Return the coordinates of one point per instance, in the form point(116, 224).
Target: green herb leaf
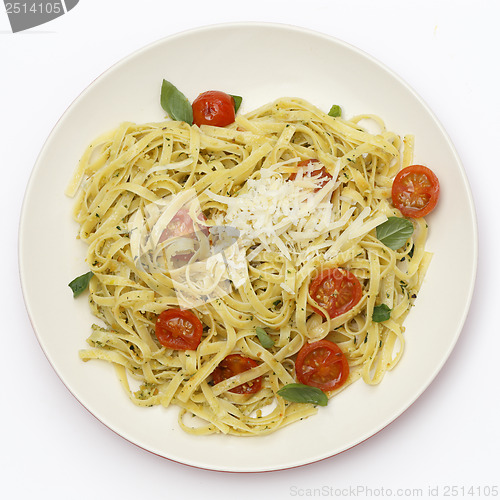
point(78, 285)
point(237, 102)
point(300, 393)
point(394, 232)
point(265, 340)
point(175, 103)
point(382, 312)
point(335, 111)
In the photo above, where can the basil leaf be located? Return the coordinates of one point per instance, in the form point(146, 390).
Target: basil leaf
point(335, 111)
point(394, 232)
point(175, 103)
point(237, 102)
point(78, 285)
point(300, 393)
point(382, 312)
point(265, 340)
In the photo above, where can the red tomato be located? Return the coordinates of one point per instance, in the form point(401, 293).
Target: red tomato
point(335, 290)
point(178, 329)
point(324, 176)
point(233, 365)
point(415, 191)
point(182, 225)
point(322, 364)
point(213, 108)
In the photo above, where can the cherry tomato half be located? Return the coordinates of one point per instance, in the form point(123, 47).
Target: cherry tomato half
point(178, 329)
point(415, 191)
point(182, 225)
point(324, 176)
point(335, 290)
point(213, 108)
point(322, 364)
point(233, 365)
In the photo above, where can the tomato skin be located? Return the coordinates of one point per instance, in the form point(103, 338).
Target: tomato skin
point(179, 329)
point(233, 365)
point(213, 108)
point(324, 175)
point(337, 290)
point(182, 224)
point(322, 364)
point(415, 191)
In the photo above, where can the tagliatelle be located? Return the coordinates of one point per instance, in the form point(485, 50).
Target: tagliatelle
point(131, 183)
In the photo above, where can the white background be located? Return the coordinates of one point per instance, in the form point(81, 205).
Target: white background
point(447, 50)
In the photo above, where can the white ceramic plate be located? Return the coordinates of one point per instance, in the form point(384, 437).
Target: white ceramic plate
point(260, 63)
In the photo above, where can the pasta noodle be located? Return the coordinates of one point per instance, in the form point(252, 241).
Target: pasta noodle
point(133, 181)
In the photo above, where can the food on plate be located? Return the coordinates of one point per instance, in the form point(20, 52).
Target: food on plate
point(247, 270)
point(213, 108)
point(233, 365)
point(178, 329)
point(322, 364)
point(335, 291)
point(415, 191)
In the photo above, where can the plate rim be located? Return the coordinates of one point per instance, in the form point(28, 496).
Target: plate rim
point(274, 26)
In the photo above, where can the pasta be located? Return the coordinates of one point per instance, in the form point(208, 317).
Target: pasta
point(263, 230)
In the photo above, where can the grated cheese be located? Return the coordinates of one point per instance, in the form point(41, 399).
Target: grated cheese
point(274, 214)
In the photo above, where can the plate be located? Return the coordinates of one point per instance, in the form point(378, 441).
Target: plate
point(259, 62)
